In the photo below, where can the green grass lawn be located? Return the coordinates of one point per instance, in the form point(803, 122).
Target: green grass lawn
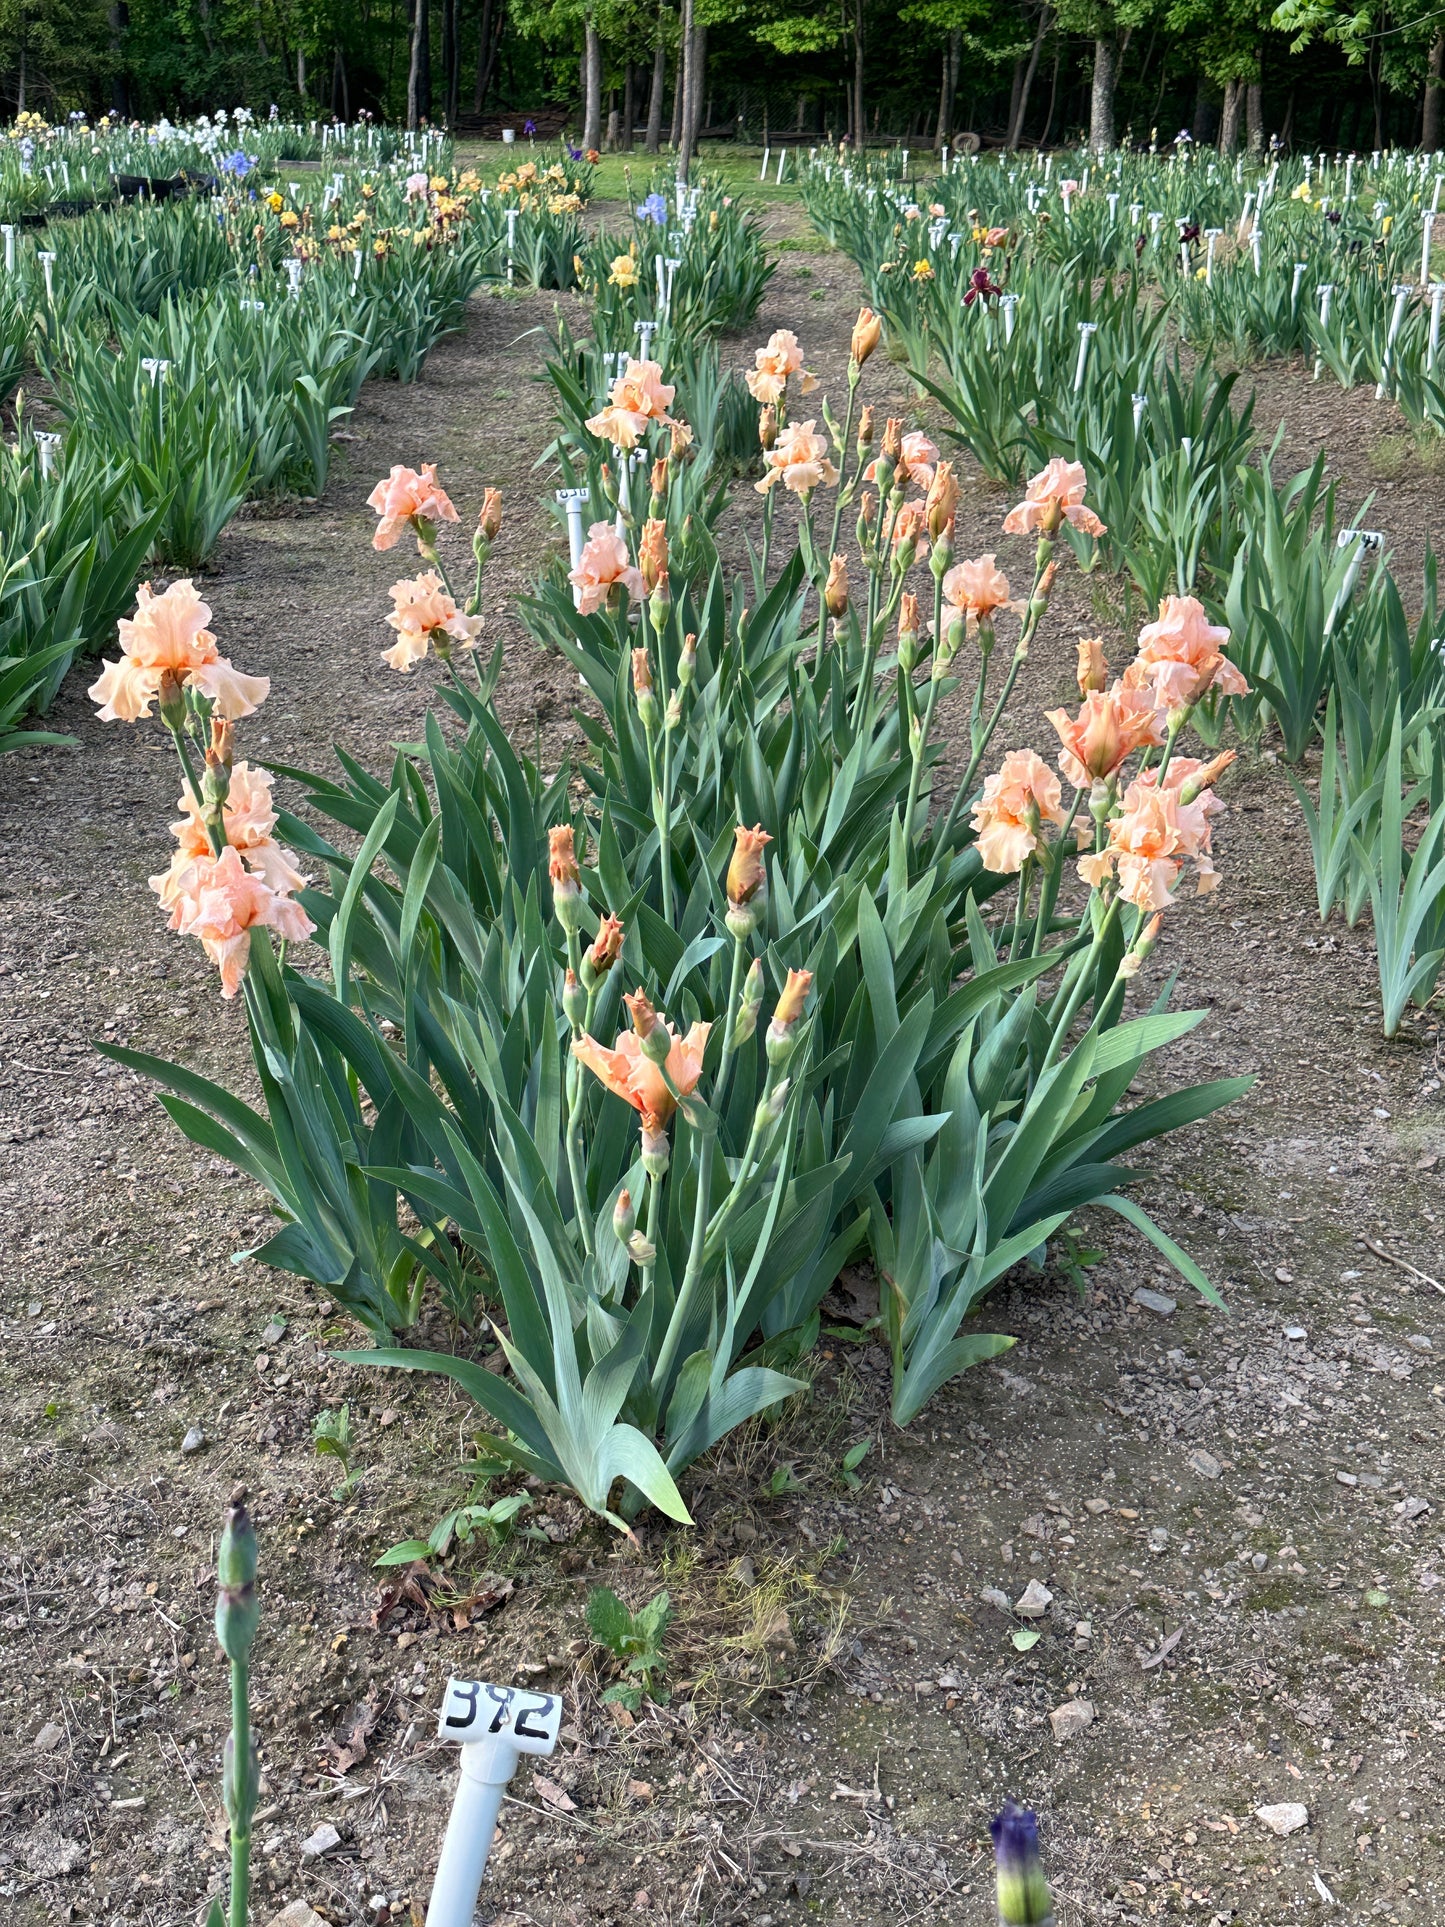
point(623, 177)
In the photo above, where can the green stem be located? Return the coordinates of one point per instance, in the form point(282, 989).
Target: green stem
point(839, 501)
point(244, 1793)
point(725, 1064)
point(576, 1167)
point(1049, 889)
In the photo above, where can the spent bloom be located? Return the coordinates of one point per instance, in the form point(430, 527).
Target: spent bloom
point(799, 460)
point(1106, 732)
point(409, 499)
point(223, 902)
point(604, 566)
point(1055, 495)
point(1179, 656)
point(426, 615)
point(776, 363)
point(1018, 799)
point(167, 638)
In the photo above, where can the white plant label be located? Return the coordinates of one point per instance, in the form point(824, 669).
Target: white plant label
point(472, 1710)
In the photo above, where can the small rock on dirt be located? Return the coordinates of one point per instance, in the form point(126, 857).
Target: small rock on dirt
point(1204, 1463)
point(1070, 1719)
point(1288, 1817)
point(325, 1840)
point(996, 1596)
point(1295, 1334)
point(50, 1736)
point(194, 1441)
point(1034, 1601)
point(1156, 1301)
point(298, 1914)
point(273, 1333)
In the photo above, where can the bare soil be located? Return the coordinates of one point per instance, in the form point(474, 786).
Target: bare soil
point(1238, 1517)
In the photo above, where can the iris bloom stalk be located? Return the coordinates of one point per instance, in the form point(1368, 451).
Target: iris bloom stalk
point(238, 1613)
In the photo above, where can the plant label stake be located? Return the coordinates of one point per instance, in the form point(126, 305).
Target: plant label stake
point(46, 445)
point(1086, 328)
point(47, 262)
point(1327, 295)
point(1437, 294)
point(293, 275)
point(512, 214)
point(763, 170)
point(1211, 236)
point(9, 234)
point(1427, 235)
point(493, 1725)
point(1397, 316)
point(645, 331)
point(1008, 302)
point(782, 160)
point(572, 500)
point(1139, 404)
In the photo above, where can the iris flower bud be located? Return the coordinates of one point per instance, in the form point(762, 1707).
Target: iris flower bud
point(749, 1004)
point(867, 332)
point(574, 1000)
point(647, 711)
point(624, 1217)
point(787, 1014)
point(238, 1611)
point(1023, 1893)
point(566, 877)
point(835, 593)
point(747, 881)
point(604, 950)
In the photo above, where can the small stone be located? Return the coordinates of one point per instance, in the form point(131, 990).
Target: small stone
point(1346, 1478)
point(1034, 1601)
point(1288, 1817)
point(1083, 1631)
point(1413, 1508)
point(325, 1840)
point(996, 1596)
point(1296, 1334)
point(50, 1736)
point(273, 1333)
point(298, 1914)
point(1284, 1274)
point(1158, 1538)
point(1418, 1342)
point(1260, 1561)
point(1070, 1719)
point(1156, 1301)
point(949, 1682)
point(1204, 1463)
point(1096, 1506)
point(194, 1441)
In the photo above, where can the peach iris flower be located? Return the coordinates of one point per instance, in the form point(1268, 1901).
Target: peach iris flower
point(799, 460)
point(637, 397)
point(604, 565)
point(1056, 494)
point(1021, 795)
point(249, 820)
point(406, 497)
point(637, 1080)
point(781, 358)
point(1106, 732)
point(919, 457)
point(1156, 832)
point(168, 636)
point(424, 610)
point(224, 903)
point(1179, 656)
point(976, 589)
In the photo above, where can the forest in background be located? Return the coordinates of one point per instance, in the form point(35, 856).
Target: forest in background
point(619, 73)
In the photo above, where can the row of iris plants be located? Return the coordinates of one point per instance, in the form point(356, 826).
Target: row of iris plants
point(1087, 319)
point(619, 1063)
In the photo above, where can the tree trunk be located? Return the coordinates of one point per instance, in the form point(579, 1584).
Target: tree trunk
point(301, 72)
point(1254, 117)
point(451, 67)
point(1229, 118)
point(1435, 75)
point(119, 21)
point(1201, 125)
point(701, 99)
point(629, 105)
point(340, 85)
point(679, 88)
point(659, 88)
point(489, 36)
point(952, 57)
point(1101, 95)
point(418, 80)
point(1053, 97)
point(1021, 103)
point(860, 125)
point(689, 89)
point(1016, 94)
point(592, 87)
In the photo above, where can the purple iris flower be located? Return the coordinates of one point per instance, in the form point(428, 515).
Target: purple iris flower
point(979, 286)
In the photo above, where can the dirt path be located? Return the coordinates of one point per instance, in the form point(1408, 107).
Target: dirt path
point(1259, 1494)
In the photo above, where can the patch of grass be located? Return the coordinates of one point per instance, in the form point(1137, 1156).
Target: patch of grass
point(1393, 456)
point(810, 243)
